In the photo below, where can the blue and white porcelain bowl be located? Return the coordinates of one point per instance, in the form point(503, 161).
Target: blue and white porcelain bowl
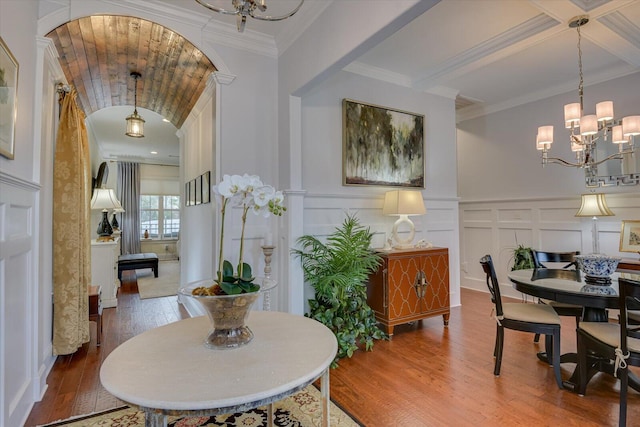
point(597, 265)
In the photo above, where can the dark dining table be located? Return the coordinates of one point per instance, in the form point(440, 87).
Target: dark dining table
point(570, 286)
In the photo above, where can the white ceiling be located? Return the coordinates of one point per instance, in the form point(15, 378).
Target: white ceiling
point(491, 54)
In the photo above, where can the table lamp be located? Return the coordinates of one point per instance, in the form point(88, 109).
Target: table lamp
point(114, 222)
point(594, 205)
point(105, 199)
point(403, 203)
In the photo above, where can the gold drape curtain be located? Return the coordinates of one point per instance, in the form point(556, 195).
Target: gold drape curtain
point(71, 235)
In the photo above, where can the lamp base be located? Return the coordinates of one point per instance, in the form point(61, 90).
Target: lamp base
point(403, 243)
point(104, 228)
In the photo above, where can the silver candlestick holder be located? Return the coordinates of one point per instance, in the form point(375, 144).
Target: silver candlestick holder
point(267, 250)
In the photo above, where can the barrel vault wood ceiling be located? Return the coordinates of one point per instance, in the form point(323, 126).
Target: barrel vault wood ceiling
point(98, 54)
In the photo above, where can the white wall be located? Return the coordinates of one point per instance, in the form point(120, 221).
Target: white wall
point(327, 200)
point(497, 227)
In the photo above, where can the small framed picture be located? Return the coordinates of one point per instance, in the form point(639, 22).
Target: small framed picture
point(187, 193)
point(198, 195)
point(8, 96)
point(630, 236)
point(206, 187)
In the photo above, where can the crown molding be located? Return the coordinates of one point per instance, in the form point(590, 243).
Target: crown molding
point(378, 73)
point(221, 78)
point(475, 111)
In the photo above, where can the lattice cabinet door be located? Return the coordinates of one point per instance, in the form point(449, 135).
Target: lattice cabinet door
point(410, 285)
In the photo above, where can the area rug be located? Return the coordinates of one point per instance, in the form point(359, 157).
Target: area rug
point(164, 285)
point(299, 410)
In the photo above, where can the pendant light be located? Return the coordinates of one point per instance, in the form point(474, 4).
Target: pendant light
point(135, 123)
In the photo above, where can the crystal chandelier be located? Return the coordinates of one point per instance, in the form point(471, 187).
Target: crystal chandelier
point(585, 131)
point(135, 122)
point(244, 8)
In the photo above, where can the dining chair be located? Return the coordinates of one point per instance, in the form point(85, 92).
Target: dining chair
point(620, 343)
point(535, 318)
point(567, 260)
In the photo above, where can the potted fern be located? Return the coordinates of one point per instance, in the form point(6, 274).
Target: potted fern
point(522, 258)
point(338, 271)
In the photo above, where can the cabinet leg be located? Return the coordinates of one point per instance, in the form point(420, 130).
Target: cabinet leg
point(390, 330)
point(445, 317)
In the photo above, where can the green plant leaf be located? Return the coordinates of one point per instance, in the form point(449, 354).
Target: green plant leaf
point(231, 288)
point(338, 270)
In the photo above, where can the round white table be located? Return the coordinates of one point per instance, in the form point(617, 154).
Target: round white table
point(168, 370)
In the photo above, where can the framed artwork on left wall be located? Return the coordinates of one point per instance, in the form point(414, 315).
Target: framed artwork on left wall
point(8, 107)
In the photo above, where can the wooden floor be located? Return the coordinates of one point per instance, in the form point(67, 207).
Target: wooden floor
point(427, 375)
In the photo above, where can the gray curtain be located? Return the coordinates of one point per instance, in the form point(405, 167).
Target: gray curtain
point(128, 191)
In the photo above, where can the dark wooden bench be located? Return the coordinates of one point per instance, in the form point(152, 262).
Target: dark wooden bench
point(137, 261)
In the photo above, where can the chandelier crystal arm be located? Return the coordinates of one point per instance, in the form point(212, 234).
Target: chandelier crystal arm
point(556, 160)
point(217, 9)
point(276, 18)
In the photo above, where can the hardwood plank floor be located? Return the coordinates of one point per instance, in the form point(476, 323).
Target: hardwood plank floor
point(427, 375)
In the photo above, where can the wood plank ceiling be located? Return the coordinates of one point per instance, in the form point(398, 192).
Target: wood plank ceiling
point(98, 54)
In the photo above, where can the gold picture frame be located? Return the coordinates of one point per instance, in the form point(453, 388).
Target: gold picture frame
point(8, 98)
point(630, 236)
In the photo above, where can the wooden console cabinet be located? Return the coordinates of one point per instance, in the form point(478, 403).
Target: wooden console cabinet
point(410, 285)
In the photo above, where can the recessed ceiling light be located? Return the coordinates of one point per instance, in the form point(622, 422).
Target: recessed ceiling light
point(165, 120)
point(154, 152)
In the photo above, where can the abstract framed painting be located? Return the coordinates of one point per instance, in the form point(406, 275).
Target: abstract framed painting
point(382, 146)
point(8, 94)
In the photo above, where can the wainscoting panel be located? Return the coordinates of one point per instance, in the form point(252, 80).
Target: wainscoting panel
point(322, 212)
point(497, 227)
point(514, 215)
point(18, 299)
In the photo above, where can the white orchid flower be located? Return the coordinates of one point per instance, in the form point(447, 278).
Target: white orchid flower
point(248, 192)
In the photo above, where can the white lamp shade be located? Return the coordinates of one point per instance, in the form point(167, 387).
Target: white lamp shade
point(545, 137)
point(572, 114)
point(617, 135)
point(631, 125)
point(104, 198)
point(594, 204)
point(403, 202)
point(588, 125)
point(604, 110)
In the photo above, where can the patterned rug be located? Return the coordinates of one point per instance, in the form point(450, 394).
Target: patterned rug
point(299, 410)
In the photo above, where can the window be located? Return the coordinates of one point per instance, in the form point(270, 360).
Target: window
point(160, 216)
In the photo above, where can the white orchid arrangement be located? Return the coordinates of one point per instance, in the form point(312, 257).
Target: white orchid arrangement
point(248, 192)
